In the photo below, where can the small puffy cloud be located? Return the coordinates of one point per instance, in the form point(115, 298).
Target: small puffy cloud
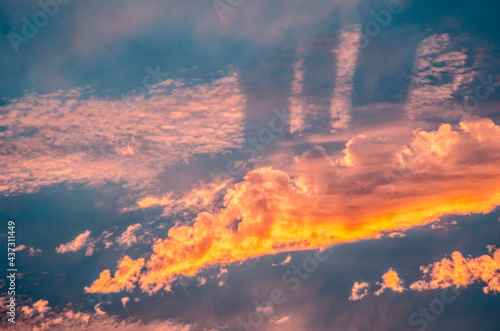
point(460, 271)
point(359, 291)
point(124, 278)
point(20, 248)
point(128, 238)
point(104, 238)
point(41, 306)
point(98, 309)
point(81, 241)
point(390, 280)
point(124, 301)
point(31, 250)
point(281, 320)
point(287, 260)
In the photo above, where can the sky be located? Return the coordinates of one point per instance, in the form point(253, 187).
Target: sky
point(250, 165)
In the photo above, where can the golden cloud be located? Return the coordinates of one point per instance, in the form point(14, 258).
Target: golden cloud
point(324, 200)
point(460, 271)
point(390, 280)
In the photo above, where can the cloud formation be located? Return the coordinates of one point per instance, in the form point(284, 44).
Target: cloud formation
point(441, 70)
point(390, 280)
point(40, 316)
point(72, 136)
point(460, 271)
point(124, 278)
point(359, 291)
point(128, 238)
point(325, 200)
point(81, 241)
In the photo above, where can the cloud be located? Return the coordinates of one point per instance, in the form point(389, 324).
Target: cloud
point(81, 241)
point(390, 280)
point(362, 192)
point(287, 260)
point(128, 238)
point(306, 108)
point(347, 55)
point(359, 291)
point(39, 316)
point(73, 136)
point(124, 301)
point(203, 197)
point(41, 307)
point(438, 58)
point(460, 271)
point(281, 320)
point(31, 250)
point(124, 278)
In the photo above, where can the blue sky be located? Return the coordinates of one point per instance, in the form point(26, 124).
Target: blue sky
point(171, 166)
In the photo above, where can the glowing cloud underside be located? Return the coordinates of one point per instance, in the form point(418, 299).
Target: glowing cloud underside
point(323, 200)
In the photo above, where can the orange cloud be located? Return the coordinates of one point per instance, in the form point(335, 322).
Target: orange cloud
point(124, 278)
point(359, 291)
point(323, 200)
point(390, 280)
point(462, 271)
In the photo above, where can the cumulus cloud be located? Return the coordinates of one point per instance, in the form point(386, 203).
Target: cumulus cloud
point(359, 291)
point(390, 280)
point(326, 199)
point(72, 136)
point(81, 241)
point(124, 278)
point(460, 271)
